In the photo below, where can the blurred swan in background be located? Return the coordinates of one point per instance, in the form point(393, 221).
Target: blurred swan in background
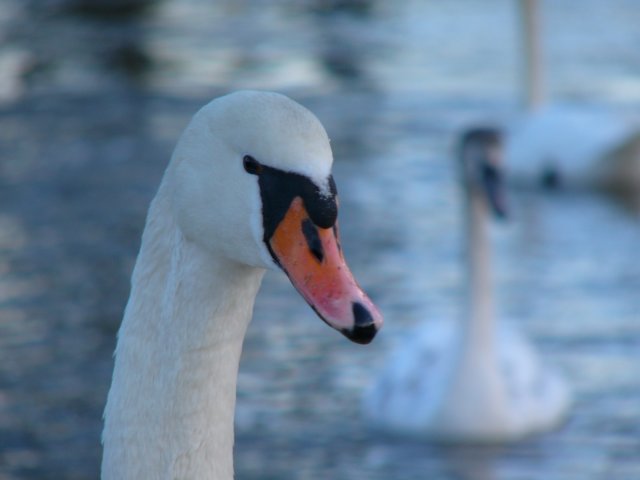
point(477, 380)
point(249, 187)
point(574, 146)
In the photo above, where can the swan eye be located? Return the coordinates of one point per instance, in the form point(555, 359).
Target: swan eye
point(251, 165)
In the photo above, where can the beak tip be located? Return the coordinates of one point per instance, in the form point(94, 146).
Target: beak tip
point(361, 334)
point(365, 327)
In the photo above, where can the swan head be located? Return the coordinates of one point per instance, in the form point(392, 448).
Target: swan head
point(250, 180)
point(481, 156)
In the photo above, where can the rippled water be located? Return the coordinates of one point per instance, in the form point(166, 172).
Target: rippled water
point(91, 106)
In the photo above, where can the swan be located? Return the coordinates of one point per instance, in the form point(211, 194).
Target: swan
point(477, 380)
point(248, 188)
point(568, 145)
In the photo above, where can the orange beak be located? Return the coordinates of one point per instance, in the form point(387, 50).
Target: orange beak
point(312, 259)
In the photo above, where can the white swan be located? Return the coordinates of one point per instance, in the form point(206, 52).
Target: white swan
point(575, 146)
point(477, 380)
point(248, 187)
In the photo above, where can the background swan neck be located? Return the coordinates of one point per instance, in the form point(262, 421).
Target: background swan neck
point(480, 314)
point(171, 406)
point(532, 66)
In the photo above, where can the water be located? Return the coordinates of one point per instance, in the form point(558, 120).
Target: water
point(90, 109)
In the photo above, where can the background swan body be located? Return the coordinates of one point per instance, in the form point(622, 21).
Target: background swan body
point(576, 146)
point(249, 187)
point(436, 386)
point(470, 381)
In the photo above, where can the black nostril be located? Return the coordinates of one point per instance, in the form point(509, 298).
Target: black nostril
point(361, 316)
point(313, 239)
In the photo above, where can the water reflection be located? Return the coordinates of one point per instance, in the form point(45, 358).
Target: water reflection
point(107, 9)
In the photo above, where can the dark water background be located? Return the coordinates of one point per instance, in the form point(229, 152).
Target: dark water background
point(92, 101)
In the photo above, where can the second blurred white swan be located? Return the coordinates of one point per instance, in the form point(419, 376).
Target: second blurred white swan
point(477, 380)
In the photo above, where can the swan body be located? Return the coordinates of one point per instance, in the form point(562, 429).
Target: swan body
point(476, 380)
point(248, 188)
point(580, 147)
point(568, 145)
point(437, 387)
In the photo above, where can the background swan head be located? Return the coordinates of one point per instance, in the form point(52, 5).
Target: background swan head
point(250, 181)
point(482, 166)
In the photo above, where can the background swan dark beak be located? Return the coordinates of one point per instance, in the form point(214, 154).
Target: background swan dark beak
point(493, 184)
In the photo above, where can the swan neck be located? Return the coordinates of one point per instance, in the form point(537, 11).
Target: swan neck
point(532, 68)
point(170, 409)
point(480, 314)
